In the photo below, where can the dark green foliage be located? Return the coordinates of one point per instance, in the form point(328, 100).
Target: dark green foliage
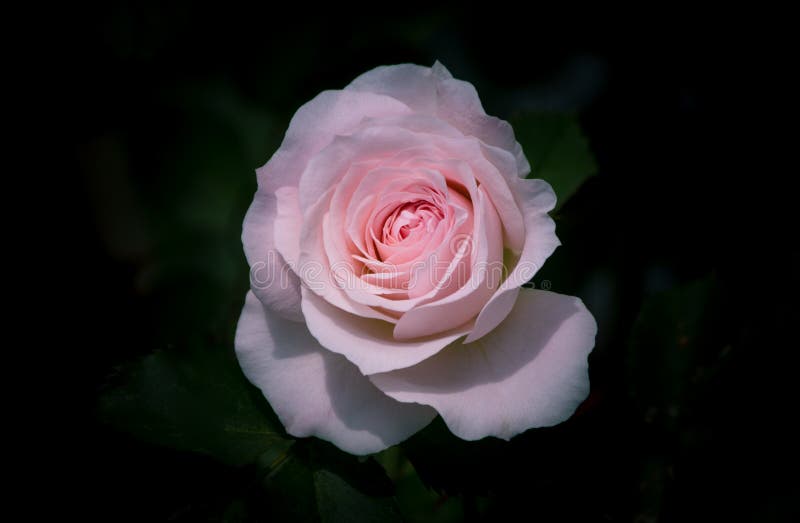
point(557, 151)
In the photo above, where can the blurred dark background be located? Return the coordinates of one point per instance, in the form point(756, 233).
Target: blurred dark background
point(166, 110)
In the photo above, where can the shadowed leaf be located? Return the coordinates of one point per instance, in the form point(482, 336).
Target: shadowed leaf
point(200, 403)
point(557, 151)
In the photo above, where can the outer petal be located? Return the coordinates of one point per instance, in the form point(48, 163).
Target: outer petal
point(313, 127)
point(271, 278)
point(368, 342)
point(315, 269)
point(530, 372)
point(434, 91)
point(317, 393)
point(287, 226)
point(536, 198)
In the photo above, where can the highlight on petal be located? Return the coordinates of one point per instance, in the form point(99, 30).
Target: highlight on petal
point(315, 392)
point(531, 371)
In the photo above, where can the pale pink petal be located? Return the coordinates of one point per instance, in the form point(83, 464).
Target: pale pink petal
point(536, 199)
point(433, 275)
point(373, 140)
point(531, 371)
point(326, 168)
point(417, 123)
point(288, 224)
point(313, 127)
point(474, 289)
point(434, 91)
point(367, 342)
point(317, 393)
point(494, 170)
point(315, 269)
point(382, 188)
point(414, 85)
point(494, 311)
point(271, 278)
point(459, 105)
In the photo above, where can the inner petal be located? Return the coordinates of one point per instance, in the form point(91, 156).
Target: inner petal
point(405, 215)
point(411, 220)
point(400, 222)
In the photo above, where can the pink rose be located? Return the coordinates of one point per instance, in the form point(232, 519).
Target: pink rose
point(388, 241)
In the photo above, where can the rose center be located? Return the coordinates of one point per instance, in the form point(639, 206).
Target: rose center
point(411, 220)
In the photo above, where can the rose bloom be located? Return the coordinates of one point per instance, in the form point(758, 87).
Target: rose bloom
point(388, 242)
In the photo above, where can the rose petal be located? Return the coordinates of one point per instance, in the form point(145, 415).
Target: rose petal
point(414, 85)
point(536, 198)
point(271, 278)
point(331, 278)
point(434, 91)
point(314, 126)
point(328, 166)
point(317, 393)
point(531, 371)
point(460, 105)
point(367, 342)
point(492, 167)
point(476, 287)
point(288, 224)
point(317, 272)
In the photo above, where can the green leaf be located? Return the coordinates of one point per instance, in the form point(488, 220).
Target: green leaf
point(556, 149)
point(416, 501)
point(337, 501)
point(450, 465)
point(320, 483)
point(199, 402)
